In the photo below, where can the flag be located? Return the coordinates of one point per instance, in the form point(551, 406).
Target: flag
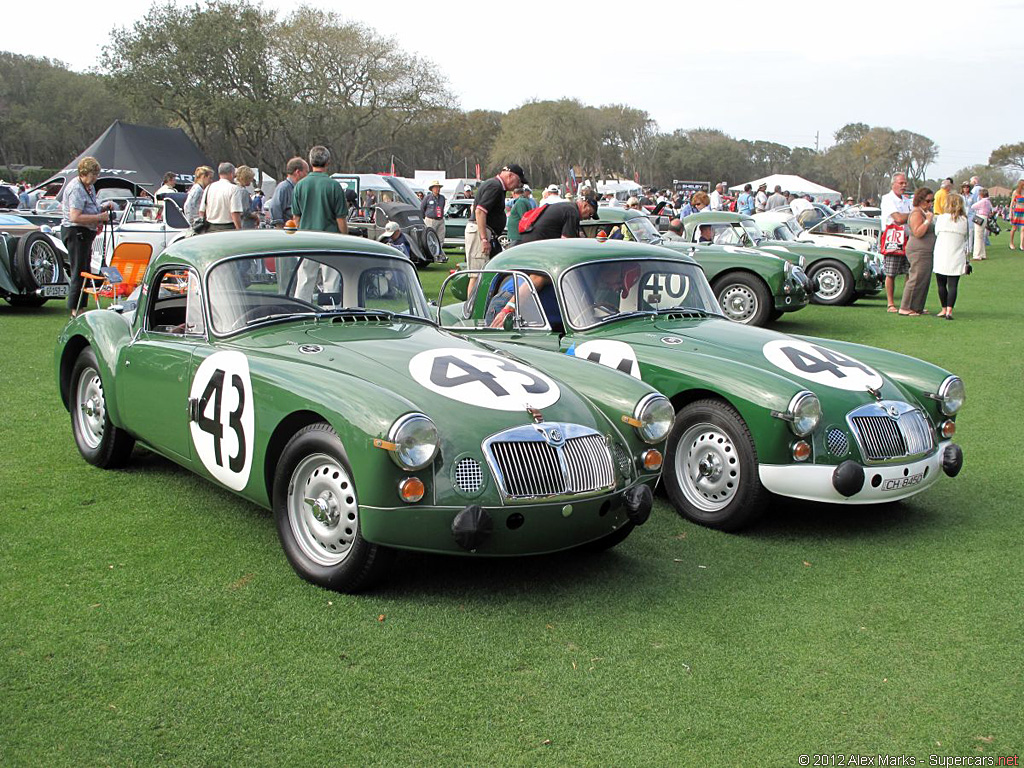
point(572, 179)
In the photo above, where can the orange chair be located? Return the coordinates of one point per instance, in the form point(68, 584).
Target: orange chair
point(127, 266)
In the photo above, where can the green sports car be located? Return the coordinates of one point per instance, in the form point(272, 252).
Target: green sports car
point(758, 412)
point(303, 371)
point(838, 275)
point(753, 287)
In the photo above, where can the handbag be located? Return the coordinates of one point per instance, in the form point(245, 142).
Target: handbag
point(894, 241)
point(200, 225)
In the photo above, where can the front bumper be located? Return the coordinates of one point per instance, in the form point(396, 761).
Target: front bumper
point(521, 529)
point(795, 293)
point(881, 483)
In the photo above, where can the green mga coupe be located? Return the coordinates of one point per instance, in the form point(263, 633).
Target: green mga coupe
point(838, 276)
point(304, 372)
point(753, 287)
point(758, 412)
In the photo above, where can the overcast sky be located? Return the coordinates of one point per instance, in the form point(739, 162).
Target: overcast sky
point(783, 72)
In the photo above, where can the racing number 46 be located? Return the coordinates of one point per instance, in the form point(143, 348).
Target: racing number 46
point(212, 424)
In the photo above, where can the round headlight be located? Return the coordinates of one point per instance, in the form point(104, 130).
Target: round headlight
point(952, 395)
point(415, 438)
point(656, 415)
point(805, 413)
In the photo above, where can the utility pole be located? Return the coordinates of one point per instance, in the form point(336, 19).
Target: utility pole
point(815, 142)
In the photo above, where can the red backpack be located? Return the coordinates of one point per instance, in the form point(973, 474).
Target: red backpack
point(530, 218)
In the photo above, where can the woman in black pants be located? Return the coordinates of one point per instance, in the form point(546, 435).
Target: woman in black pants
point(83, 218)
point(950, 253)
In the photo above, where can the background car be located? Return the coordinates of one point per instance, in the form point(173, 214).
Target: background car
point(837, 275)
point(752, 287)
point(456, 216)
point(33, 263)
point(144, 220)
point(308, 377)
point(758, 412)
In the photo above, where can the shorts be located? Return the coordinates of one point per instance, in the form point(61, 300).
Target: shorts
point(895, 265)
point(475, 257)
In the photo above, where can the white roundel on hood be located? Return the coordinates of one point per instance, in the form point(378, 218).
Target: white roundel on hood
point(821, 365)
point(482, 379)
point(611, 353)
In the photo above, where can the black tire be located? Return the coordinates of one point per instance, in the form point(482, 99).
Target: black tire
point(774, 315)
point(37, 262)
point(100, 442)
point(323, 543)
point(834, 281)
point(26, 300)
point(607, 542)
point(744, 298)
point(432, 245)
point(711, 467)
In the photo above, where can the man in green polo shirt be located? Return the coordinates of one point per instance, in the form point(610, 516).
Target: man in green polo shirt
point(319, 205)
point(520, 205)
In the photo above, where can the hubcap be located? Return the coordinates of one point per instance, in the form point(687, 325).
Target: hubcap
point(738, 302)
point(707, 467)
point(91, 411)
point(43, 263)
point(830, 283)
point(322, 509)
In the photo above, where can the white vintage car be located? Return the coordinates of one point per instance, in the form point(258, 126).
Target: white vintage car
point(143, 220)
point(773, 222)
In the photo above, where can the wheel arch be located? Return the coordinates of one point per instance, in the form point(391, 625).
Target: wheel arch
point(285, 430)
point(68, 355)
point(746, 272)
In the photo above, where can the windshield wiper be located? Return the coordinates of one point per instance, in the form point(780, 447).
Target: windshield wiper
point(279, 316)
point(631, 313)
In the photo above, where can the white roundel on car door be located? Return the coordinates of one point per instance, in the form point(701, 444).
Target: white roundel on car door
point(221, 417)
point(821, 365)
point(483, 379)
point(614, 354)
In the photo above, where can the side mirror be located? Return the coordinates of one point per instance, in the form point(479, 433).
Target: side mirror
point(509, 322)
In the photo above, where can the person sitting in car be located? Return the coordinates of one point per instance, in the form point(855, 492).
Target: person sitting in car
point(707, 234)
point(393, 236)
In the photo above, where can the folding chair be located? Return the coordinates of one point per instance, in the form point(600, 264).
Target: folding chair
point(127, 266)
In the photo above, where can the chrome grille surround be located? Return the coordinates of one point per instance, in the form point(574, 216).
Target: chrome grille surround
point(882, 438)
point(549, 460)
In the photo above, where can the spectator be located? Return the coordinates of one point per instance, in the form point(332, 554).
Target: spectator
point(745, 202)
point(551, 194)
point(707, 234)
point(699, 202)
point(319, 205)
point(561, 220)
point(895, 210)
point(761, 198)
point(244, 176)
point(257, 205)
point(519, 207)
point(432, 209)
point(203, 178)
point(940, 196)
point(488, 217)
point(1017, 215)
point(221, 204)
point(528, 195)
point(972, 197)
point(633, 204)
point(776, 199)
point(170, 179)
point(950, 252)
point(920, 253)
point(394, 237)
point(674, 233)
point(800, 205)
point(281, 203)
point(467, 192)
point(83, 217)
point(23, 201)
point(982, 211)
point(716, 202)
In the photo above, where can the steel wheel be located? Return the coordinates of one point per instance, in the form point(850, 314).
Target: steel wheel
point(835, 284)
point(90, 408)
point(739, 303)
point(744, 298)
point(707, 467)
point(322, 509)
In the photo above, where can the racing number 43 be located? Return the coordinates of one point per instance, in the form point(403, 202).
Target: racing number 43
point(212, 424)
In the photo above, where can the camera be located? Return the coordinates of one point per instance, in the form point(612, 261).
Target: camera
point(991, 225)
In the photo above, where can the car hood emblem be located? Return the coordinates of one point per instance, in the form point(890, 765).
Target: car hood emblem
point(893, 411)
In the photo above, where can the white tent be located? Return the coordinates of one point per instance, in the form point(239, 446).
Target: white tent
point(794, 184)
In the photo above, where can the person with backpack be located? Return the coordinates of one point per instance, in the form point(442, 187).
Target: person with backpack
point(555, 220)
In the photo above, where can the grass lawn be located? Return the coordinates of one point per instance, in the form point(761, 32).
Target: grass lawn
point(150, 618)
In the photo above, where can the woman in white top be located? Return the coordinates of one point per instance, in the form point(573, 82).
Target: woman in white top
point(950, 252)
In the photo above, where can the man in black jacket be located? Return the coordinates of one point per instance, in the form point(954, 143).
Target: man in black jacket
point(561, 219)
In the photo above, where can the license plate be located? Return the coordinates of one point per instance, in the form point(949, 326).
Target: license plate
point(902, 482)
point(55, 291)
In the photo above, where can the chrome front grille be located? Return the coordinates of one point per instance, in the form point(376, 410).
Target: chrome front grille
point(550, 459)
point(891, 430)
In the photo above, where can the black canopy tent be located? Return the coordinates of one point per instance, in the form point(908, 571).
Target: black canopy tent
point(136, 157)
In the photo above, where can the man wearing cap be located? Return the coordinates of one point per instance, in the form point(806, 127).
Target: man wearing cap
point(394, 237)
point(488, 217)
point(551, 194)
point(432, 209)
point(761, 199)
point(515, 214)
point(528, 196)
point(561, 219)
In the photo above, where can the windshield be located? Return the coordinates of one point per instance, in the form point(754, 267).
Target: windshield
point(604, 290)
point(779, 231)
point(728, 233)
point(643, 230)
point(143, 212)
point(252, 290)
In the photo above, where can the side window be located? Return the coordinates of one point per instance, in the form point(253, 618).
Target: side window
point(175, 304)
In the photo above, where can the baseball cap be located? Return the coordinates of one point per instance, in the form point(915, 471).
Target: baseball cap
point(467, 188)
point(391, 228)
point(517, 170)
point(592, 200)
point(553, 188)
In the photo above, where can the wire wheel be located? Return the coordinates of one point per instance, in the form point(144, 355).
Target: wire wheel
point(43, 262)
point(90, 408)
point(708, 467)
point(322, 510)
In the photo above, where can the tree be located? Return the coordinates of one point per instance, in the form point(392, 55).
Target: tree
point(1008, 156)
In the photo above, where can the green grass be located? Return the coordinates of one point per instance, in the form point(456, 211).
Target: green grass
point(151, 618)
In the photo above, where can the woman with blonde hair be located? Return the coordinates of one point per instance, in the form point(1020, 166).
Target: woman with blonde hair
point(244, 176)
point(203, 176)
point(83, 217)
point(950, 253)
point(1017, 215)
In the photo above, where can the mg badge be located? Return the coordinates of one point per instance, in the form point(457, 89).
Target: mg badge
point(555, 436)
point(893, 412)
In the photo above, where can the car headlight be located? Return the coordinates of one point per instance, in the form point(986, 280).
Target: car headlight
point(804, 413)
point(951, 395)
point(656, 416)
point(803, 262)
point(414, 437)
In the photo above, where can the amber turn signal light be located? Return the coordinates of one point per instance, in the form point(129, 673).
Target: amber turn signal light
point(411, 490)
point(801, 450)
point(652, 460)
point(948, 428)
